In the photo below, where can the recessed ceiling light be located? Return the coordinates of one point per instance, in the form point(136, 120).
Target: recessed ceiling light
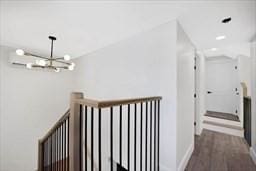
point(220, 37)
point(213, 49)
point(226, 20)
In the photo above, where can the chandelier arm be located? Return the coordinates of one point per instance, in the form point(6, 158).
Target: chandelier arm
point(67, 63)
point(37, 56)
point(62, 67)
point(20, 64)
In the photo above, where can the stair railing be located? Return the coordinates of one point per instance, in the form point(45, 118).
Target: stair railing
point(68, 152)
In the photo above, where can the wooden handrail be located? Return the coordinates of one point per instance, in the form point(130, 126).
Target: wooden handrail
point(110, 103)
point(56, 125)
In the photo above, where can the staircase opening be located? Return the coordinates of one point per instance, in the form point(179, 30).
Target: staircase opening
point(94, 134)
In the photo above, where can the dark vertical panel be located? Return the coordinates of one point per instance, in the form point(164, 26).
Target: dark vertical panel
point(146, 138)
point(158, 129)
point(150, 151)
point(155, 135)
point(135, 135)
point(92, 130)
point(85, 137)
point(128, 138)
point(141, 133)
point(111, 138)
point(99, 139)
point(120, 136)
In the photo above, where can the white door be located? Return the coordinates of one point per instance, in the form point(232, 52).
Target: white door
point(222, 85)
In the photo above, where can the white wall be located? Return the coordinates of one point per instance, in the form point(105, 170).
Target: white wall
point(185, 98)
point(244, 69)
point(31, 102)
point(200, 91)
point(253, 56)
point(144, 65)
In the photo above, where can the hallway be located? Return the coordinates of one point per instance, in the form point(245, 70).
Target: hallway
point(220, 152)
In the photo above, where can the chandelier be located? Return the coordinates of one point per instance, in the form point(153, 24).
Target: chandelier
point(51, 63)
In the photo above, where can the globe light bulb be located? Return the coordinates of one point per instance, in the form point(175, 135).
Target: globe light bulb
point(73, 64)
point(41, 62)
point(29, 65)
point(71, 67)
point(20, 52)
point(57, 70)
point(67, 57)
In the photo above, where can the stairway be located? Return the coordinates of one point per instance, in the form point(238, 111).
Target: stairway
point(222, 124)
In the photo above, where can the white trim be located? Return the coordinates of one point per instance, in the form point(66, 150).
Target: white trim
point(186, 158)
point(223, 121)
point(230, 131)
point(253, 154)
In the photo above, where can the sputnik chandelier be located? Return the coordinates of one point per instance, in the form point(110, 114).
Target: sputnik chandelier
point(52, 63)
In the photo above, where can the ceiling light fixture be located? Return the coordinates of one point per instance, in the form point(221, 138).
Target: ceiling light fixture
point(220, 37)
point(213, 49)
point(226, 20)
point(53, 63)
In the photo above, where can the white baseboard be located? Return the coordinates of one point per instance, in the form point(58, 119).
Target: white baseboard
point(185, 159)
point(253, 154)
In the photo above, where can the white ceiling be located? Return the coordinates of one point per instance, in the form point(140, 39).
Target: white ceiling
point(83, 27)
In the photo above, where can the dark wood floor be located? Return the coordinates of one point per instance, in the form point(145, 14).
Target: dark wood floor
point(227, 116)
point(220, 152)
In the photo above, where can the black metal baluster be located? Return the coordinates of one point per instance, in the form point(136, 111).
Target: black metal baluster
point(111, 138)
point(60, 162)
point(81, 137)
point(128, 139)
point(141, 134)
point(68, 147)
point(150, 151)
point(64, 150)
point(158, 125)
point(51, 154)
point(57, 161)
point(46, 155)
point(85, 137)
point(135, 135)
point(62, 167)
point(154, 135)
point(54, 151)
point(92, 130)
point(99, 139)
point(120, 136)
point(48, 160)
point(146, 138)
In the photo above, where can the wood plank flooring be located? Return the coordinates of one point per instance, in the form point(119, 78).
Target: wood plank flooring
point(220, 152)
point(227, 116)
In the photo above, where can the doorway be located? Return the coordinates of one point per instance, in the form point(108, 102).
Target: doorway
point(222, 85)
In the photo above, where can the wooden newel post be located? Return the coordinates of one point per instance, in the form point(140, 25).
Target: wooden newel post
point(74, 132)
point(40, 156)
